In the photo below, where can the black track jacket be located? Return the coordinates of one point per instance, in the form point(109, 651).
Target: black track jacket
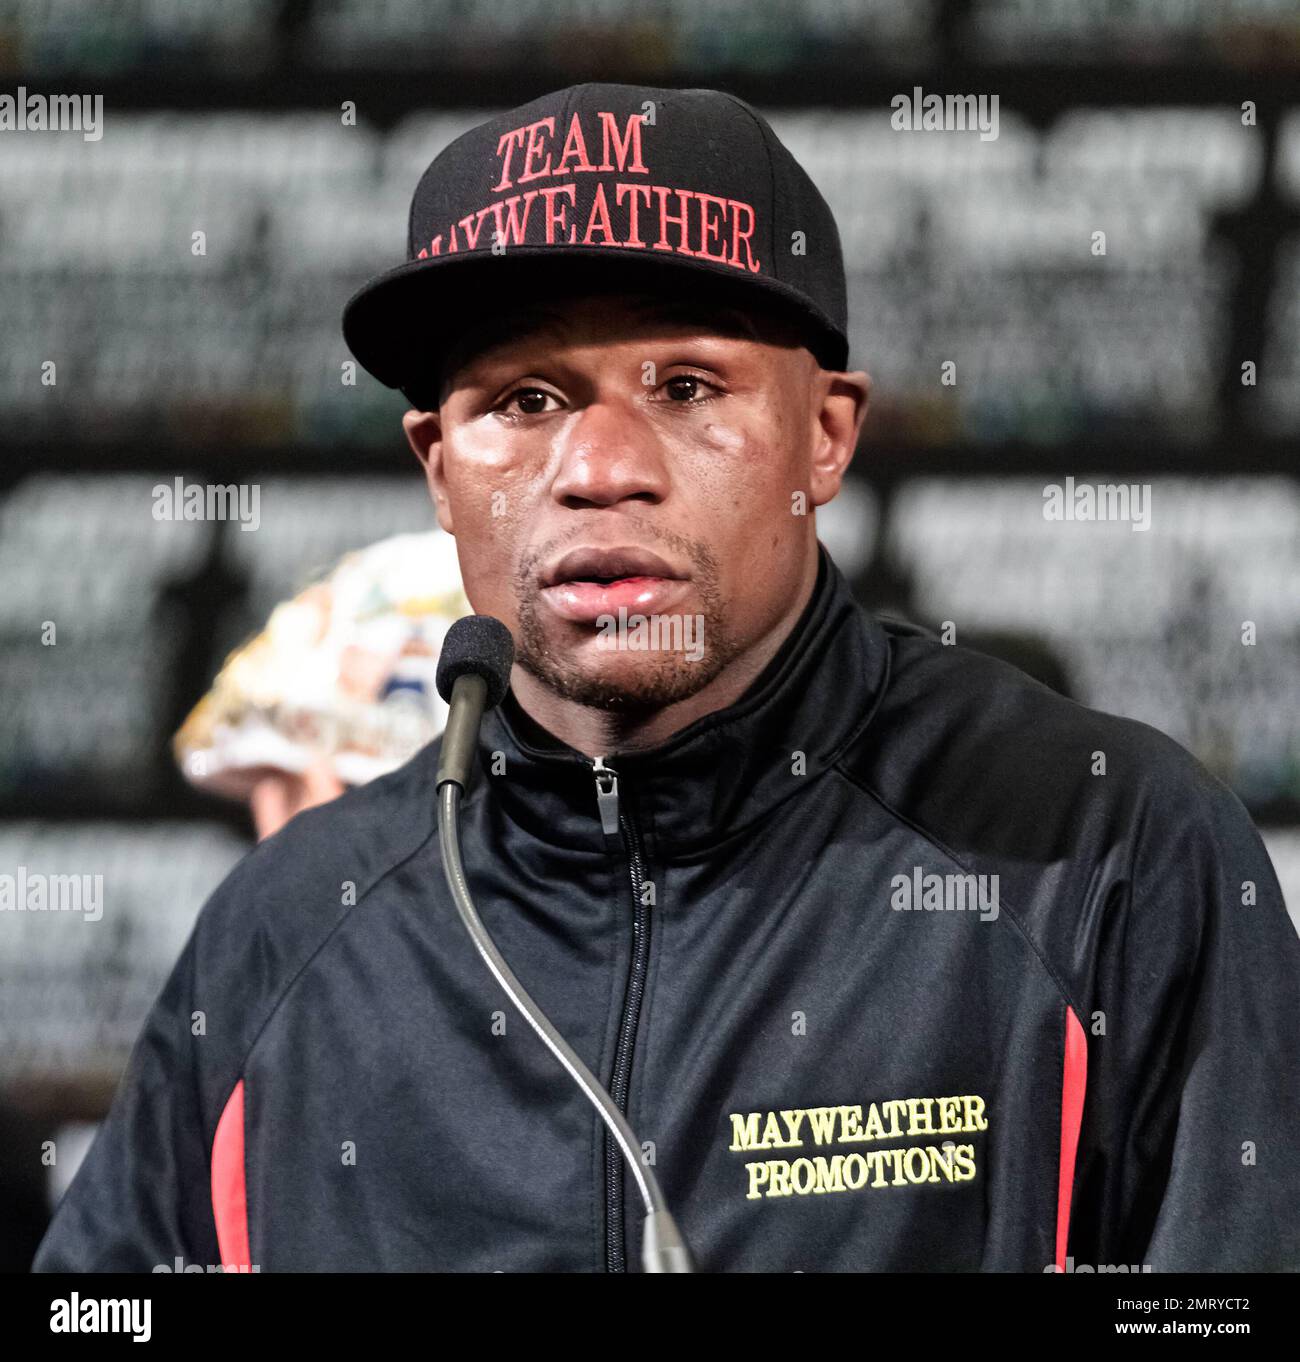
point(902, 961)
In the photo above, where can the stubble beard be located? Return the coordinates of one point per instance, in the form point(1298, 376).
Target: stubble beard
point(658, 679)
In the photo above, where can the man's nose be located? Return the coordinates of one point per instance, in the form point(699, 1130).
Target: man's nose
point(608, 456)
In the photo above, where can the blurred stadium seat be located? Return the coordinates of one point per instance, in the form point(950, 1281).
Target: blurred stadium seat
point(73, 989)
point(1147, 623)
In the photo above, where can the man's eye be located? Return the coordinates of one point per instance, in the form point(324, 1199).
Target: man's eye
point(527, 402)
point(686, 388)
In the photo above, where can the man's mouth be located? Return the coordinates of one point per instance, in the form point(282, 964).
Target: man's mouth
point(587, 583)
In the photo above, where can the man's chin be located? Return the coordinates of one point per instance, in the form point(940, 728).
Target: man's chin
point(623, 683)
point(628, 664)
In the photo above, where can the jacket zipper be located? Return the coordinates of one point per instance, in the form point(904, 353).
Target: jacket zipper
point(617, 820)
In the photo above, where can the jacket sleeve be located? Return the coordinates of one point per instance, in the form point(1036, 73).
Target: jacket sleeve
point(141, 1199)
point(1190, 1156)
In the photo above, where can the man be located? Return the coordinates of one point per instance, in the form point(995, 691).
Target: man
point(894, 958)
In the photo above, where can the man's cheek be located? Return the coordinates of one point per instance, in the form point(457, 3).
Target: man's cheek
point(489, 586)
point(487, 452)
point(490, 540)
point(486, 517)
point(726, 440)
point(489, 495)
point(743, 464)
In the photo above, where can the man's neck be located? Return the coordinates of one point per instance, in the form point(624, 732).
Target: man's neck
point(597, 732)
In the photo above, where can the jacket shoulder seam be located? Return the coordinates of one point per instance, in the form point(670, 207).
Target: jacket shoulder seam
point(1066, 995)
point(321, 945)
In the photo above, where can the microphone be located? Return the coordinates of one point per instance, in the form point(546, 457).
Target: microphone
point(473, 676)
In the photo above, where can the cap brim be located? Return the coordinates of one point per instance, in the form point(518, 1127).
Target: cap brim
point(401, 324)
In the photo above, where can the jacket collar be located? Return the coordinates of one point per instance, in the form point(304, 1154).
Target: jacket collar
point(723, 772)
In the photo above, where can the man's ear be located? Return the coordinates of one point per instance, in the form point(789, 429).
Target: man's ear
point(424, 434)
point(843, 408)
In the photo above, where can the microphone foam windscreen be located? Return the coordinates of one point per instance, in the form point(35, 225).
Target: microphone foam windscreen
point(477, 645)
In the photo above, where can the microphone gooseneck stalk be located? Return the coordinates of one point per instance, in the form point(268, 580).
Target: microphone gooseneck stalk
point(662, 1247)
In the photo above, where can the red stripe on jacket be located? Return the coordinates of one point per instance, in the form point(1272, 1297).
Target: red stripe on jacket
point(229, 1190)
point(1074, 1083)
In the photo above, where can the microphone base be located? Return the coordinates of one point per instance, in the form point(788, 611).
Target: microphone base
point(662, 1247)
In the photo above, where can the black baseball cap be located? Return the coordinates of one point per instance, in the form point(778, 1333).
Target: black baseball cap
point(603, 184)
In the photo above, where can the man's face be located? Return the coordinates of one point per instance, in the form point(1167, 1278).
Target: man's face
point(614, 459)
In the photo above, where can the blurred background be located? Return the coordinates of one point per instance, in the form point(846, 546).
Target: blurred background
point(1171, 362)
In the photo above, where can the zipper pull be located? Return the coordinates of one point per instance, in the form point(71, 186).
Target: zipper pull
point(606, 796)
